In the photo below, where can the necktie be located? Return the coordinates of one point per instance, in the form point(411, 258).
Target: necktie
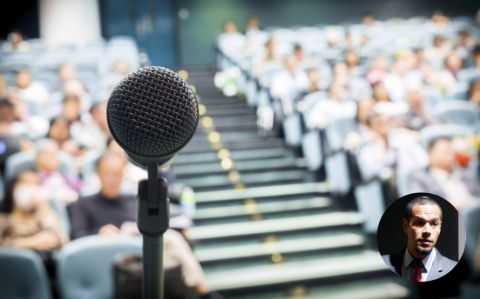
point(417, 274)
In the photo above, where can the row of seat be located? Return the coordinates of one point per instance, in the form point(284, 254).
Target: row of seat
point(84, 269)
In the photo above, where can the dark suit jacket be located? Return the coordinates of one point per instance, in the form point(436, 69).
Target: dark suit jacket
point(441, 265)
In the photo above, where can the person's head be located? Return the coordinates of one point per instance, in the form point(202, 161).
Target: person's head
point(351, 58)
point(74, 87)
point(99, 115)
point(438, 41)
point(380, 92)
point(122, 66)
point(474, 92)
point(71, 108)
point(59, 130)
point(23, 79)
point(48, 156)
point(229, 27)
point(414, 96)
point(110, 171)
point(368, 19)
point(313, 76)
point(439, 18)
point(298, 52)
point(253, 23)
point(15, 38)
point(364, 109)
point(441, 154)
point(66, 72)
point(453, 62)
point(464, 37)
point(23, 193)
point(422, 223)
point(7, 111)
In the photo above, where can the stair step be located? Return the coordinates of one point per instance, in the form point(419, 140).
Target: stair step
point(379, 288)
point(239, 146)
point(249, 251)
point(278, 207)
point(241, 166)
point(236, 155)
point(274, 226)
point(261, 192)
point(357, 264)
point(250, 179)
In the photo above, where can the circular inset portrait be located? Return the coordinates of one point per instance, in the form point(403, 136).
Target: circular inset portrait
point(421, 237)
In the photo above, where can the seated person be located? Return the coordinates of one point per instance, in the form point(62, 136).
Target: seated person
point(26, 219)
point(443, 178)
point(107, 212)
point(58, 185)
point(416, 118)
point(111, 213)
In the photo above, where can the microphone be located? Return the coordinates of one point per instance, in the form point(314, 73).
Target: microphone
point(152, 114)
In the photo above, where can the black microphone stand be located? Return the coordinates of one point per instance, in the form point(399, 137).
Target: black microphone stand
point(153, 217)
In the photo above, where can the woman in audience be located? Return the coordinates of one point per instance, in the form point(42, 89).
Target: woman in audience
point(26, 220)
point(60, 133)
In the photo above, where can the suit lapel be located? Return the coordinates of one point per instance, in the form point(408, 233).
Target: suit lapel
point(437, 269)
point(396, 261)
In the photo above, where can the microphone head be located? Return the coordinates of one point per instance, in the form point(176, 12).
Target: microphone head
point(152, 114)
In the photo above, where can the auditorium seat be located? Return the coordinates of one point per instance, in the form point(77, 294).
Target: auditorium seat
point(26, 161)
point(23, 275)
point(84, 266)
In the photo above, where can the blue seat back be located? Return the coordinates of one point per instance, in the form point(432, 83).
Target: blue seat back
point(22, 275)
point(84, 266)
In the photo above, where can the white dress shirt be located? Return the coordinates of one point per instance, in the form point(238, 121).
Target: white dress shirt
point(408, 267)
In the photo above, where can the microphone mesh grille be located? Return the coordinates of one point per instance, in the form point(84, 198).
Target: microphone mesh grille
point(152, 113)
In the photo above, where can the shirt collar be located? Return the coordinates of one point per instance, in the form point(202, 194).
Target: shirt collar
point(427, 261)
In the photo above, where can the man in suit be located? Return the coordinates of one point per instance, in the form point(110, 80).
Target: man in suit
point(420, 261)
point(444, 179)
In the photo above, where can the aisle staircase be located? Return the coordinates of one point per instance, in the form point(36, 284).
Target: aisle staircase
point(264, 228)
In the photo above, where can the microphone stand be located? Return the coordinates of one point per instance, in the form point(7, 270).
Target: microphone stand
point(152, 221)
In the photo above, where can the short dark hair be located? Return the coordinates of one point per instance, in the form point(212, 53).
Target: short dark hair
point(420, 200)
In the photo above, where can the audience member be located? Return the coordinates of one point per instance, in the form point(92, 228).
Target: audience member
point(111, 213)
point(108, 212)
point(60, 133)
point(417, 117)
point(16, 43)
point(288, 84)
point(34, 94)
point(444, 178)
point(378, 69)
point(92, 131)
point(380, 92)
point(27, 221)
point(57, 185)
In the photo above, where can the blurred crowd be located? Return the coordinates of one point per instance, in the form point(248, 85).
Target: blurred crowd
point(62, 176)
point(402, 93)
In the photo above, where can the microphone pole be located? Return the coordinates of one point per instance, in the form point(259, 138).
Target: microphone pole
point(153, 217)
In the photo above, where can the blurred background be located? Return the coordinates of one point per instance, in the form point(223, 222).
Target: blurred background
point(314, 117)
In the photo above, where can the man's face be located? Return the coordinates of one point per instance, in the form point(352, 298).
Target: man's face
point(423, 229)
